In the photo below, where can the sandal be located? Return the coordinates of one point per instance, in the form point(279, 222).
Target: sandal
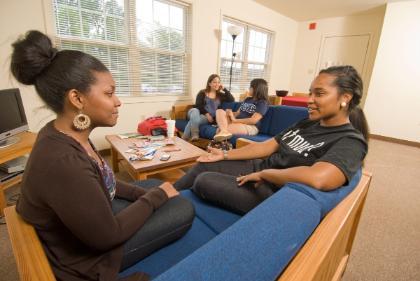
point(222, 136)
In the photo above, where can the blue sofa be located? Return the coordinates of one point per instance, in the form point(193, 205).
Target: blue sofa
point(265, 244)
point(277, 118)
point(222, 245)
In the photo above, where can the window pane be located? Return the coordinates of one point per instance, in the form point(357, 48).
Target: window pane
point(93, 25)
point(115, 7)
point(161, 13)
point(255, 71)
point(157, 60)
point(161, 37)
point(67, 20)
point(115, 59)
point(144, 10)
point(236, 74)
point(161, 73)
point(103, 20)
point(74, 3)
point(176, 40)
point(250, 62)
point(165, 30)
point(176, 18)
point(226, 47)
point(147, 72)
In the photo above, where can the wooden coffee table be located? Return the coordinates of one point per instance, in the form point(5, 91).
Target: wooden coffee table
point(166, 170)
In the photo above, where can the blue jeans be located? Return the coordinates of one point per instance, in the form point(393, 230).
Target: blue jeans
point(193, 126)
point(167, 224)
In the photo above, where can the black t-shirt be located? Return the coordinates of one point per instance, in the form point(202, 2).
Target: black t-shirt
point(308, 142)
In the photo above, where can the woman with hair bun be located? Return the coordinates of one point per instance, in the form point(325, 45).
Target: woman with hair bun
point(90, 224)
point(323, 151)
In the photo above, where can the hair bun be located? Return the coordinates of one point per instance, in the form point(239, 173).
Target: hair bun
point(31, 55)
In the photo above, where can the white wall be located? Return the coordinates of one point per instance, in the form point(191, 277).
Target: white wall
point(16, 17)
point(309, 42)
point(393, 101)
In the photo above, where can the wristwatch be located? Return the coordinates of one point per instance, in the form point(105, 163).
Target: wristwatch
point(225, 154)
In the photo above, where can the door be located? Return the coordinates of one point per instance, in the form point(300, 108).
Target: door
point(344, 50)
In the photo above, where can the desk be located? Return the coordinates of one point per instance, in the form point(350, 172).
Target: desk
point(165, 170)
point(295, 101)
point(24, 146)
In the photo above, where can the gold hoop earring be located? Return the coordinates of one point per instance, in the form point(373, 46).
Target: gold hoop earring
point(343, 104)
point(81, 122)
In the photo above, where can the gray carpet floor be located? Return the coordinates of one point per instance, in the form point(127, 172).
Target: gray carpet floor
point(387, 244)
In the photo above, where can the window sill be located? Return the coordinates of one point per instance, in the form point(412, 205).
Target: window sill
point(154, 99)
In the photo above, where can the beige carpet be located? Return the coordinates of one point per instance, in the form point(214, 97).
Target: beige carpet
point(387, 245)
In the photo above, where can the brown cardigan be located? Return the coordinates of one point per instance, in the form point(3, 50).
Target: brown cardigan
point(64, 198)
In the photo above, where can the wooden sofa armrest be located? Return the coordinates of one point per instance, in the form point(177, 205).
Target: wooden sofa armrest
point(32, 263)
point(325, 255)
point(240, 142)
point(179, 111)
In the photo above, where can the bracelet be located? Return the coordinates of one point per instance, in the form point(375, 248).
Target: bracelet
point(225, 155)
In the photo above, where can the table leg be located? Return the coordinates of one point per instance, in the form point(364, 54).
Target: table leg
point(114, 160)
point(2, 201)
point(141, 176)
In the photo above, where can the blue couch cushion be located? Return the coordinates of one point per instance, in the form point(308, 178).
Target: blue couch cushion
point(214, 217)
point(231, 105)
point(327, 200)
point(180, 124)
point(256, 247)
point(284, 116)
point(265, 123)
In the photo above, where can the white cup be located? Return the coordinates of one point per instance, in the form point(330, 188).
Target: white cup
point(170, 126)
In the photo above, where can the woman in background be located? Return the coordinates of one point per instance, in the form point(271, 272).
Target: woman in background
point(90, 224)
point(246, 119)
point(324, 151)
point(207, 102)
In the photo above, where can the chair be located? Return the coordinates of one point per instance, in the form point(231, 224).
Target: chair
point(274, 100)
point(32, 263)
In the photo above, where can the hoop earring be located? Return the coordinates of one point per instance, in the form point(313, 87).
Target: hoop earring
point(343, 104)
point(81, 122)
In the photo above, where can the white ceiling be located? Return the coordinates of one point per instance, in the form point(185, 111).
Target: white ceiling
point(304, 10)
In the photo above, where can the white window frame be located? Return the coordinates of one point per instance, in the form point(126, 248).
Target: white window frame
point(244, 80)
point(134, 49)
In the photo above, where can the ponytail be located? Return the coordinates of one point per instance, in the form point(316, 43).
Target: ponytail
point(358, 120)
point(347, 80)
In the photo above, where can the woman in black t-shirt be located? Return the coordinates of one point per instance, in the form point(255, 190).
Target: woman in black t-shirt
point(323, 151)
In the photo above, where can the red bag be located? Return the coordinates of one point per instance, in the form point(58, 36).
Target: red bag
point(153, 126)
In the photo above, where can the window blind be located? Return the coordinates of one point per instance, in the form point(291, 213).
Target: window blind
point(144, 43)
point(252, 48)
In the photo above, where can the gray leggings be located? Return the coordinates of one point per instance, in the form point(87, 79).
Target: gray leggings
point(216, 182)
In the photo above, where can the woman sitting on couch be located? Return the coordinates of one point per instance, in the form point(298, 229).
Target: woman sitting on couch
point(246, 119)
point(323, 151)
point(207, 102)
point(90, 224)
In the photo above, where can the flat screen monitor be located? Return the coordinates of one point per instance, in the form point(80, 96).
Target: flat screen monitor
point(12, 117)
